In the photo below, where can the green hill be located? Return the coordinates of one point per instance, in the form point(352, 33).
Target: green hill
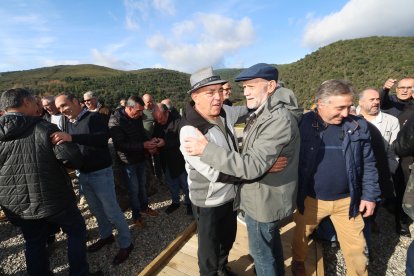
point(366, 62)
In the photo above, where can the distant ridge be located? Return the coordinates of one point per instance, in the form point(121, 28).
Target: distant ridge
point(366, 62)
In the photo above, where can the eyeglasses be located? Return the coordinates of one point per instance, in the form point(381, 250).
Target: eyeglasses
point(87, 100)
point(405, 87)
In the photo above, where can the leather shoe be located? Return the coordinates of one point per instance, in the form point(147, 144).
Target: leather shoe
point(226, 271)
point(189, 210)
point(96, 273)
point(139, 223)
point(404, 230)
point(298, 268)
point(101, 243)
point(172, 208)
point(122, 255)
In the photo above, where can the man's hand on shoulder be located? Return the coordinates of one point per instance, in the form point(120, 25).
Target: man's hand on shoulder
point(366, 208)
point(194, 146)
point(60, 137)
point(279, 165)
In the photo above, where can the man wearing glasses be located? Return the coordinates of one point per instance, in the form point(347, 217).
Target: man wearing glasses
point(227, 93)
point(93, 105)
point(396, 104)
point(211, 194)
point(401, 105)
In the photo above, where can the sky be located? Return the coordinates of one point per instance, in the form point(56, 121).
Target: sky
point(187, 35)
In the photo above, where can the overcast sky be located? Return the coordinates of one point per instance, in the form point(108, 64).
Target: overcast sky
point(186, 35)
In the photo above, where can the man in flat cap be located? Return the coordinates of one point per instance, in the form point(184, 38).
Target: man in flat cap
point(266, 194)
point(210, 194)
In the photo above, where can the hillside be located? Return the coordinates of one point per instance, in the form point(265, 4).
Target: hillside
point(366, 62)
point(110, 84)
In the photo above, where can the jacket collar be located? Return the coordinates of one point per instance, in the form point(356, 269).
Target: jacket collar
point(349, 124)
point(196, 120)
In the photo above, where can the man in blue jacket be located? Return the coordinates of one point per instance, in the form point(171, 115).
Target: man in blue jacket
point(337, 176)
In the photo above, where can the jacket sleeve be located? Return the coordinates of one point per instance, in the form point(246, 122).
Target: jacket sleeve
point(393, 159)
point(168, 133)
point(120, 139)
point(370, 186)
point(194, 161)
point(235, 114)
point(384, 97)
point(272, 136)
point(98, 135)
point(68, 153)
point(404, 143)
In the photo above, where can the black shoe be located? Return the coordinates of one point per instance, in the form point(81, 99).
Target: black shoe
point(226, 271)
point(405, 232)
point(96, 273)
point(189, 210)
point(101, 243)
point(122, 255)
point(172, 208)
point(50, 240)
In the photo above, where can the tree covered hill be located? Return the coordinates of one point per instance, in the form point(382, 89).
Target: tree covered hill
point(366, 62)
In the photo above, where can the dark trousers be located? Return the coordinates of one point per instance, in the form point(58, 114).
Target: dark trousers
point(400, 182)
point(36, 232)
point(216, 228)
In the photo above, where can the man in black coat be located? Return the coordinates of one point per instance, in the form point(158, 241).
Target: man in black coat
point(166, 131)
point(130, 141)
point(404, 146)
point(35, 189)
point(395, 104)
point(401, 105)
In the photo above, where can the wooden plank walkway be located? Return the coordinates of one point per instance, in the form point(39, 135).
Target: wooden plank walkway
point(180, 258)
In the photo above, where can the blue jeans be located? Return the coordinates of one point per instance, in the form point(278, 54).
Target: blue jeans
point(265, 247)
point(135, 178)
point(410, 260)
point(36, 232)
point(174, 185)
point(99, 189)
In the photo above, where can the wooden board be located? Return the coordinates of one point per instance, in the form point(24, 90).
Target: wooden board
point(183, 261)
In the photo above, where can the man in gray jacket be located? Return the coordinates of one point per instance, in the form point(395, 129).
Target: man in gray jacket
point(210, 194)
point(266, 195)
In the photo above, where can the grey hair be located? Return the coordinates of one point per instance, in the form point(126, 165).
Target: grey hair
point(90, 94)
point(362, 93)
point(50, 98)
point(133, 100)
point(334, 88)
point(13, 98)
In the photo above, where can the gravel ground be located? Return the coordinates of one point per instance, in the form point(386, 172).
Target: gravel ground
point(149, 242)
point(388, 249)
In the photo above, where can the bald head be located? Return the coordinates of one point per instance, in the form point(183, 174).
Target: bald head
point(369, 102)
point(148, 101)
point(160, 113)
point(168, 103)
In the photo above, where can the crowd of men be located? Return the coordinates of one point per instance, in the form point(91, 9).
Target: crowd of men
point(333, 167)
